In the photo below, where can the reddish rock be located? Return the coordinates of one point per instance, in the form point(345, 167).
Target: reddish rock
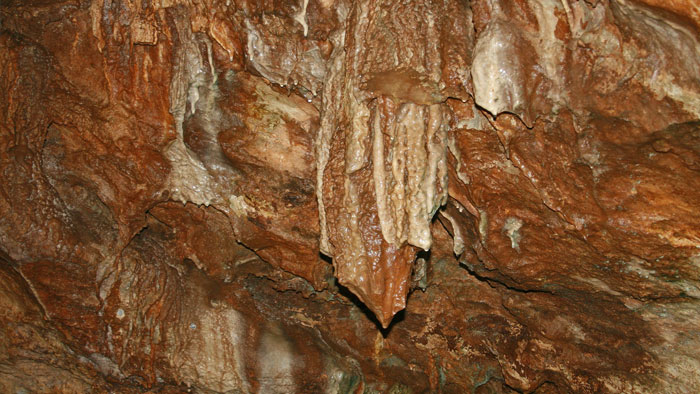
point(337, 196)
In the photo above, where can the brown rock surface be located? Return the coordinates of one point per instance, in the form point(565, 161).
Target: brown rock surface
point(350, 196)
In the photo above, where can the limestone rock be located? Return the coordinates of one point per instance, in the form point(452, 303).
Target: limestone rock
point(350, 196)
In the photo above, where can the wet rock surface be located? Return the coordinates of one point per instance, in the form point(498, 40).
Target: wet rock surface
point(335, 196)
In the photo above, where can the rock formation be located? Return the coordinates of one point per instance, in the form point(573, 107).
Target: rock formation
point(306, 196)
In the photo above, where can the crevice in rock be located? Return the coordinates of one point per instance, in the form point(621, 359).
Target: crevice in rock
point(498, 283)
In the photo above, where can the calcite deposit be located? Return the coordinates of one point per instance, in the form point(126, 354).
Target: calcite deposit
point(336, 196)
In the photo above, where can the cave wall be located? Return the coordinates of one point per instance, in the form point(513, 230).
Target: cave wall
point(343, 196)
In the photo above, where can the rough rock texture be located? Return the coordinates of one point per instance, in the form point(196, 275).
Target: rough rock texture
point(341, 196)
